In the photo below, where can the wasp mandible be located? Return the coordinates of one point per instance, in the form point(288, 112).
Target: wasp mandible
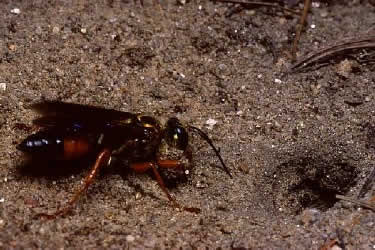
point(73, 131)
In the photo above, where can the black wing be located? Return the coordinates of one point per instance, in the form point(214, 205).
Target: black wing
point(61, 114)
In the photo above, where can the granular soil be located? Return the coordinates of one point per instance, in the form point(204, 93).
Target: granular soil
point(293, 140)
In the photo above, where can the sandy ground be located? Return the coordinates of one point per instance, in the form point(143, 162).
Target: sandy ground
point(292, 140)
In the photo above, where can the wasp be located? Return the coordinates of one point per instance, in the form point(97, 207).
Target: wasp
point(72, 131)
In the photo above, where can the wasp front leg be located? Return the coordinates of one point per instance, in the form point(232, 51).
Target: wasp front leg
point(178, 164)
point(144, 166)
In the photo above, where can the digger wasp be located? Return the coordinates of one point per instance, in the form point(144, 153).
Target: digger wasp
point(72, 131)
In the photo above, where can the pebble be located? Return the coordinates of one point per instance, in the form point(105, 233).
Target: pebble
point(345, 67)
point(211, 123)
point(130, 238)
point(336, 247)
point(324, 13)
point(15, 11)
point(12, 47)
point(3, 86)
point(55, 30)
point(138, 195)
point(310, 216)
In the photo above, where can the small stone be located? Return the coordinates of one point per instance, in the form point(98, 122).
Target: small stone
point(42, 230)
point(222, 67)
point(113, 20)
point(277, 126)
point(12, 47)
point(55, 30)
point(3, 86)
point(38, 30)
point(283, 20)
point(324, 13)
point(336, 247)
point(83, 30)
point(130, 238)
point(138, 195)
point(310, 216)
point(211, 123)
point(345, 67)
point(315, 4)
point(15, 11)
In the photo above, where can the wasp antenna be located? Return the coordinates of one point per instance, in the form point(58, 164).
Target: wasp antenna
point(217, 151)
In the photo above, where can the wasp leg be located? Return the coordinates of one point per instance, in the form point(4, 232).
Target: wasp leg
point(102, 159)
point(170, 164)
point(144, 166)
point(177, 164)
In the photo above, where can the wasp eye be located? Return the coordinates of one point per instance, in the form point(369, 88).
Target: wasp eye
point(175, 134)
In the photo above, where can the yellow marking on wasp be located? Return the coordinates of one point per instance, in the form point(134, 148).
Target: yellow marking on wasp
point(127, 121)
point(148, 125)
point(100, 139)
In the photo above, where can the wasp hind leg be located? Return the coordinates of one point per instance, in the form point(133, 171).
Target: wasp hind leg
point(144, 166)
point(103, 158)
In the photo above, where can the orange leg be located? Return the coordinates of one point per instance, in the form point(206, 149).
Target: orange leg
point(144, 166)
point(141, 167)
point(175, 164)
point(101, 160)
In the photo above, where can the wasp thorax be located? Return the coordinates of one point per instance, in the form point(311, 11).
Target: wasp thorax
point(175, 134)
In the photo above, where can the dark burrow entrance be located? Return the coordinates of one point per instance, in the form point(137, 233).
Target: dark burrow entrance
point(311, 182)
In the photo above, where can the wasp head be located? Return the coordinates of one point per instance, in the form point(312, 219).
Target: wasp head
point(175, 134)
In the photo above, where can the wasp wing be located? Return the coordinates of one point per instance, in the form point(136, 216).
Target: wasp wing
point(65, 115)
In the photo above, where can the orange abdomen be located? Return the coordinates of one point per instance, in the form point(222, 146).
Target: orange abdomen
point(75, 148)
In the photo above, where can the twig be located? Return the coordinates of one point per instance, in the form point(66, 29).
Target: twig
point(361, 42)
point(355, 201)
point(300, 28)
point(248, 3)
point(368, 184)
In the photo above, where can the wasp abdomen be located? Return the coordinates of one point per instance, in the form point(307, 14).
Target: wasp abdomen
point(76, 147)
point(41, 142)
point(50, 145)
